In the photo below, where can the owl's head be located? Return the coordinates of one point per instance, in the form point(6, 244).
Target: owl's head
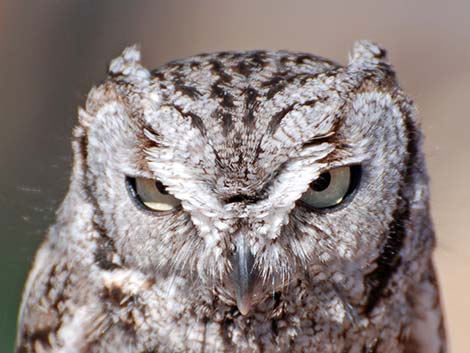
point(244, 171)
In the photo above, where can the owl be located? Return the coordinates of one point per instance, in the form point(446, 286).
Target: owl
point(246, 201)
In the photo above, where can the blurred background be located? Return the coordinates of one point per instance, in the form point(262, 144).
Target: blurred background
point(52, 52)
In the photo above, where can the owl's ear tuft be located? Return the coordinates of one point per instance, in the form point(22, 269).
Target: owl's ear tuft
point(127, 66)
point(367, 55)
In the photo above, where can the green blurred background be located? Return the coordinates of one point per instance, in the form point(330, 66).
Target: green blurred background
point(52, 52)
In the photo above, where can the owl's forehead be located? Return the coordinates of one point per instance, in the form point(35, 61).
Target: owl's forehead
point(241, 91)
point(229, 86)
point(235, 72)
point(242, 108)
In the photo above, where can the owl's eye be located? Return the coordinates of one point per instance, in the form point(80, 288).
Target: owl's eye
point(332, 187)
point(152, 194)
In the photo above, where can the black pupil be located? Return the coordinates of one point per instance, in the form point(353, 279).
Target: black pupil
point(322, 182)
point(161, 187)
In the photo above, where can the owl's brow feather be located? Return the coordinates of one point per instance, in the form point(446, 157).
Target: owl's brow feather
point(196, 120)
point(277, 117)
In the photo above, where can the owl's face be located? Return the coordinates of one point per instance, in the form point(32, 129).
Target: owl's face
point(248, 169)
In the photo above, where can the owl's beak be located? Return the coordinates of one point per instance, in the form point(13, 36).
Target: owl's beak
point(244, 274)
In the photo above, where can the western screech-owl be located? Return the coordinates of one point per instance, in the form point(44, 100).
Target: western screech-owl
point(259, 201)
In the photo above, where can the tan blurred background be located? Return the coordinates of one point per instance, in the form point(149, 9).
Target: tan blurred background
point(52, 52)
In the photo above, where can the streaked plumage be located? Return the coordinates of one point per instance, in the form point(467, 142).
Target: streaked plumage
point(232, 251)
